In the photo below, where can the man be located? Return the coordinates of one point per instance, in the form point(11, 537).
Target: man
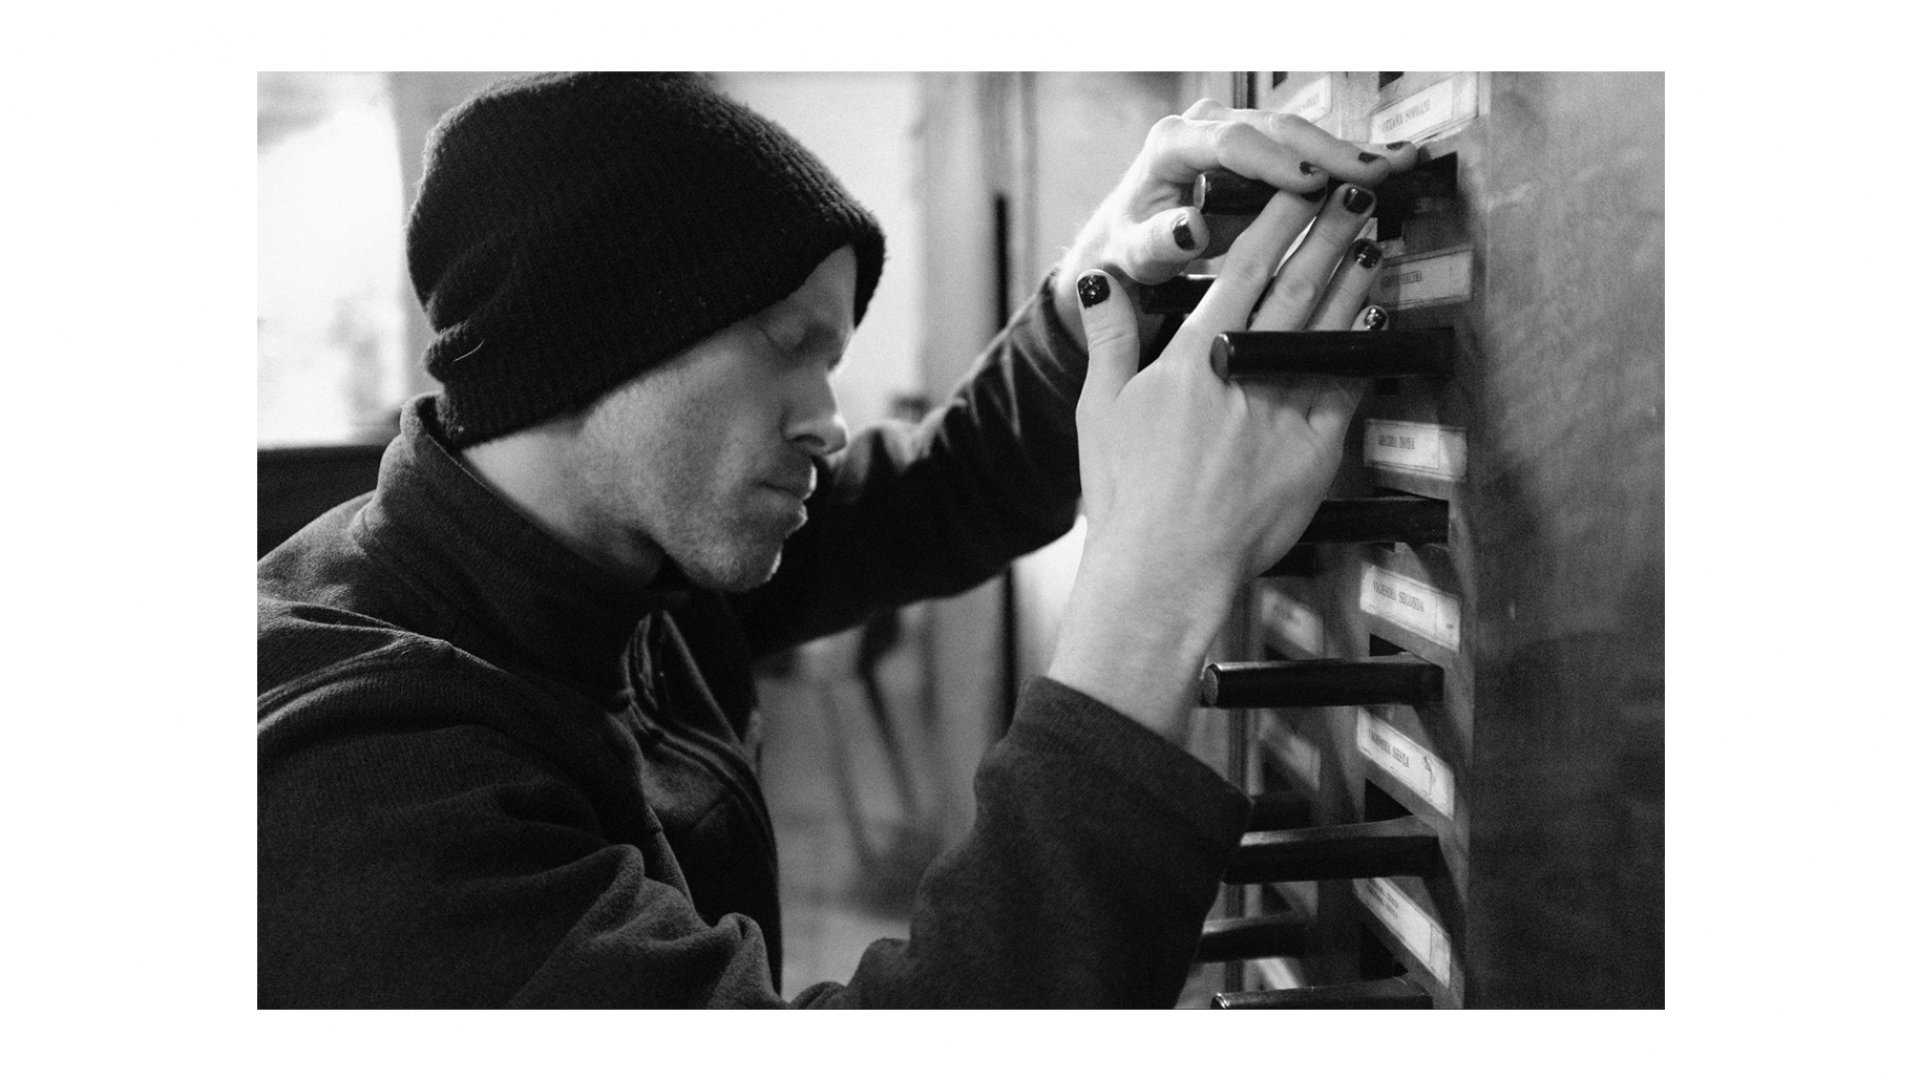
point(506, 719)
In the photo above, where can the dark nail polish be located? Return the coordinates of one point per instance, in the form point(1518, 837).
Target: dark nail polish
point(1397, 145)
point(1357, 200)
point(1093, 289)
point(1183, 234)
point(1307, 168)
point(1365, 252)
point(1375, 317)
point(1368, 159)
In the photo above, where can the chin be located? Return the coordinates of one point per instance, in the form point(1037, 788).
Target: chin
point(736, 572)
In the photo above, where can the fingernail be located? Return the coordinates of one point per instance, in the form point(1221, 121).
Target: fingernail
point(1314, 196)
point(1397, 145)
point(1368, 159)
point(1374, 318)
point(1307, 168)
point(1365, 252)
point(1093, 288)
point(1182, 235)
point(1357, 200)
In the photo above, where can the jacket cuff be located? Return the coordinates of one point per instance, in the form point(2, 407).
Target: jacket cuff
point(1059, 339)
point(1058, 719)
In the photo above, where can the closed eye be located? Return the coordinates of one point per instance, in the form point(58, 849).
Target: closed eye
point(807, 342)
point(822, 341)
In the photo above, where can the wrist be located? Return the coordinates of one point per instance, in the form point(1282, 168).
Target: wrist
point(1135, 640)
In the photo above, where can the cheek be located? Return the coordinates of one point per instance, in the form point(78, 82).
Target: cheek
point(735, 434)
point(628, 451)
point(696, 450)
point(705, 473)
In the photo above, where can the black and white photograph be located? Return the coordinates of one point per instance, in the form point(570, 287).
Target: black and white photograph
point(1003, 540)
point(1008, 540)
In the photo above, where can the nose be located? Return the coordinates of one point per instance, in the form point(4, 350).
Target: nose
point(815, 422)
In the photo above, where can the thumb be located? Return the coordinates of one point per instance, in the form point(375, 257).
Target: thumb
point(1156, 249)
point(1113, 337)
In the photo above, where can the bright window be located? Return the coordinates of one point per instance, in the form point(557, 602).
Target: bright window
point(332, 285)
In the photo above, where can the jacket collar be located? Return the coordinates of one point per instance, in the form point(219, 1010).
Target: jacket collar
point(517, 596)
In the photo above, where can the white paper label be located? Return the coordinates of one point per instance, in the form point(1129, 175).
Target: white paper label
point(1423, 113)
point(1405, 761)
point(1419, 933)
point(1434, 449)
point(1298, 756)
point(1407, 603)
point(1293, 622)
point(1311, 102)
point(1442, 277)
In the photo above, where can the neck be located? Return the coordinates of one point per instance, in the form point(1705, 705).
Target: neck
point(529, 471)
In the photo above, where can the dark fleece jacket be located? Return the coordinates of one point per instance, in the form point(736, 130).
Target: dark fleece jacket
point(492, 773)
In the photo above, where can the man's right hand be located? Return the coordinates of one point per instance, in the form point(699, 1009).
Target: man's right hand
point(1193, 485)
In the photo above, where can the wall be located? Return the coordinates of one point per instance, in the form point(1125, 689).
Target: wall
point(1084, 128)
point(331, 295)
point(1048, 147)
point(420, 98)
point(866, 128)
point(958, 165)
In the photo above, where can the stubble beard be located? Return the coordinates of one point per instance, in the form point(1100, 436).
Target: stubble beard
point(734, 576)
point(725, 564)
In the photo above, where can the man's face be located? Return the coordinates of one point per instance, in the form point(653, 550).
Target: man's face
point(709, 456)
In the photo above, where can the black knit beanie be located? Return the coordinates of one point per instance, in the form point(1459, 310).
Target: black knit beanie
point(574, 230)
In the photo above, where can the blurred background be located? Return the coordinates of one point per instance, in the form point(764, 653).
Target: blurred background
point(976, 208)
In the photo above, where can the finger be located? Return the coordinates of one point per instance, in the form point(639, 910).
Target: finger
point(1162, 246)
point(1372, 317)
point(1347, 292)
point(1353, 164)
point(1400, 155)
point(1113, 338)
point(1245, 272)
point(1223, 230)
point(1304, 277)
point(1183, 148)
point(1207, 109)
point(1313, 152)
point(1365, 164)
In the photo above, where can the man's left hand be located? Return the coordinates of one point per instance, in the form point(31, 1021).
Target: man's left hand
point(1145, 232)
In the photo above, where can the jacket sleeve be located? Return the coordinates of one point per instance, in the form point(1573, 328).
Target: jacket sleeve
point(444, 866)
point(909, 512)
point(1095, 855)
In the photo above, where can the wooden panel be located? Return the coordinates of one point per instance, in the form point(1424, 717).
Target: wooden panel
point(1543, 601)
point(1566, 511)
